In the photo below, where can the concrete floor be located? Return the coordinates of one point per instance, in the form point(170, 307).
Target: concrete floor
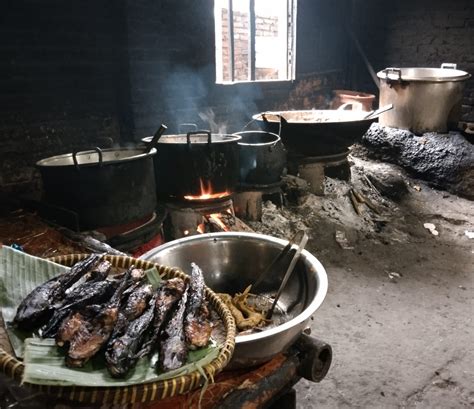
point(399, 310)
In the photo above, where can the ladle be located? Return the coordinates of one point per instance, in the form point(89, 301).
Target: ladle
point(379, 111)
point(154, 141)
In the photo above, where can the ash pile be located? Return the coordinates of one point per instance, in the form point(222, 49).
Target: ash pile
point(366, 205)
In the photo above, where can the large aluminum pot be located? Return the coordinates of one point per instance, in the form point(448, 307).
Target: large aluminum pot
point(262, 158)
point(187, 164)
point(424, 99)
point(230, 262)
point(105, 187)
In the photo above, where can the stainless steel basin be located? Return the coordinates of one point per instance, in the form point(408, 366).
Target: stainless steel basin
point(230, 262)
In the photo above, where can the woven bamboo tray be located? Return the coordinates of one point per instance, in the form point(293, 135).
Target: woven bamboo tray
point(144, 392)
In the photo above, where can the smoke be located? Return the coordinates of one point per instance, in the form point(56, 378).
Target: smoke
point(184, 92)
point(192, 96)
point(209, 116)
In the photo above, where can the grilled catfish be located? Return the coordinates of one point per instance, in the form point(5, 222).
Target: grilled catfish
point(137, 301)
point(38, 306)
point(168, 295)
point(76, 272)
point(123, 352)
point(197, 327)
point(70, 327)
point(91, 336)
point(99, 272)
point(92, 333)
point(174, 351)
point(94, 289)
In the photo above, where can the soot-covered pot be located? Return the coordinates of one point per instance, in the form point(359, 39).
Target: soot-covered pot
point(105, 187)
point(187, 163)
point(262, 158)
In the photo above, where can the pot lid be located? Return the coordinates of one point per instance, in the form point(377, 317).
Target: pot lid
point(423, 74)
point(97, 157)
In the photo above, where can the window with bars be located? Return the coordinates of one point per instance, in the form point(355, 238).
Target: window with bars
point(255, 40)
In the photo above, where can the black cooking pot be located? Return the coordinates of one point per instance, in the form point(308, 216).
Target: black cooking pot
point(195, 163)
point(316, 132)
point(105, 187)
point(262, 158)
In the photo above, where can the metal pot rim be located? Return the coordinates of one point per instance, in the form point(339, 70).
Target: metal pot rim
point(277, 138)
point(409, 74)
point(322, 280)
point(259, 117)
point(49, 162)
point(202, 139)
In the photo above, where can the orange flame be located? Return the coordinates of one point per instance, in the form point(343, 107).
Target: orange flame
point(201, 228)
point(207, 193)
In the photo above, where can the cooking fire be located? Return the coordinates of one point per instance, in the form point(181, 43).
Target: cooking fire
point(207, 192)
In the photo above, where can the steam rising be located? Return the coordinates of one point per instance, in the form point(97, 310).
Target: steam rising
point(191, 96)
point(209, 117)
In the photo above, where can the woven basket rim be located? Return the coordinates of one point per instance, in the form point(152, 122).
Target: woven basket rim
point(140, 392)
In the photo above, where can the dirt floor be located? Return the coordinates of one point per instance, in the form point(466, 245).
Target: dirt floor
point(399, 310)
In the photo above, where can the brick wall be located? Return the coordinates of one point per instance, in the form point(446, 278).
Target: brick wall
point(241, 43)
point(421, 33)
point(59, 80)
point(264, 27)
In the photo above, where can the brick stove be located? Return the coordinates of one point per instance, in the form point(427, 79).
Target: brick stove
point(187, 218)
point(135, 237)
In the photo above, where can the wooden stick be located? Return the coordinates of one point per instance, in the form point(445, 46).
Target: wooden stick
point(362, 199)
point(355, 205)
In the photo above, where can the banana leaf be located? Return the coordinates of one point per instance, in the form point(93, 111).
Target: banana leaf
point(44, 365)
point(20, 273)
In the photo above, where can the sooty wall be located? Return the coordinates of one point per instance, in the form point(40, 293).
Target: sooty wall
point(77, 74)
point(59, 82)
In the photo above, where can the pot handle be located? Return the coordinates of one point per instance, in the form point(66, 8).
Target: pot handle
point(283, 121)
point(352, 105)
point(449, 65)
point(76, 163)
point(248, 123)
point(397, 72)
point(208, 133)
point(190, 126)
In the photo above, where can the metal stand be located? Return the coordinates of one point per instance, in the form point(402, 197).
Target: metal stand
point(314, 169)
point(249, 198)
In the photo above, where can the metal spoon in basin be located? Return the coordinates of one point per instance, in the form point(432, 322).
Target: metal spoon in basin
point(300, 239)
